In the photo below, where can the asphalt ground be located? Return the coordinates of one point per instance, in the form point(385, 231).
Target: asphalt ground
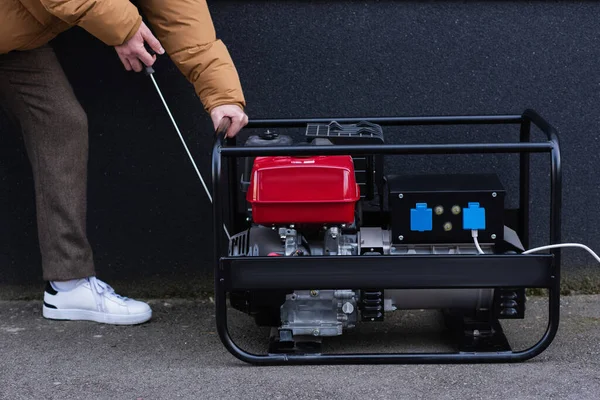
point(179, 355)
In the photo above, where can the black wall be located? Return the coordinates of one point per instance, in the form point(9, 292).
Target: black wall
point(148, 215)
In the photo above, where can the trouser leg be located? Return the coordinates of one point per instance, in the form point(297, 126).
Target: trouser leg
point(37, 96)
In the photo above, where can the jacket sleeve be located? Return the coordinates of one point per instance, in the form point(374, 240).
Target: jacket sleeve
point(186, 31)
point(112, 21)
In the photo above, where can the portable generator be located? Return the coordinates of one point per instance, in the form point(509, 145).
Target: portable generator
point(324, 238)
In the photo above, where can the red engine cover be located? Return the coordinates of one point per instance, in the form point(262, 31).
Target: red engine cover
point(301, 190)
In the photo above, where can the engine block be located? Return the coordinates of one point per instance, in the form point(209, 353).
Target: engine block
point(319, 312)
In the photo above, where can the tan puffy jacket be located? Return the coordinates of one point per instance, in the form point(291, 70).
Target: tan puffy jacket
point(184, 28)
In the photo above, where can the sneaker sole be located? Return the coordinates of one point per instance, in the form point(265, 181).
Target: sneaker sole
point(87, 315)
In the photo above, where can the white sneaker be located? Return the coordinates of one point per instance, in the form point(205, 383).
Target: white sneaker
point(94, 300)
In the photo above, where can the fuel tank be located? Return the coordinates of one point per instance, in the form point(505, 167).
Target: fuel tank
point(303, 190)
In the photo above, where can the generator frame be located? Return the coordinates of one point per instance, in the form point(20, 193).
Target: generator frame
point(391, 271)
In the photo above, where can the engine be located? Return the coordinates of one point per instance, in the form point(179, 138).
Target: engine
point(340, 205)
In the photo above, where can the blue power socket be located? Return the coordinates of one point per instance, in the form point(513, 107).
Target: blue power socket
point(474, 217)
point(421, 218)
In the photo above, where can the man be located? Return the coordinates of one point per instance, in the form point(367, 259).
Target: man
point(38, 98)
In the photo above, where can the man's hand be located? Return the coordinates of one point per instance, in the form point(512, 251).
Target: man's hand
point(239, 119)
point(132, 53)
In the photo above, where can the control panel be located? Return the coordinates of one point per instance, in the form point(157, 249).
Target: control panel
point(446, 208)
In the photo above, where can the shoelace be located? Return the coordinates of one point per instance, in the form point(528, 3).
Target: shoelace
point(101, 289)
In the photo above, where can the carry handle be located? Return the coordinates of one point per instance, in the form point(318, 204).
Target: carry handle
point(223, 127)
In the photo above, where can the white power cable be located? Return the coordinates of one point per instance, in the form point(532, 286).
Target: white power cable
point(542, 248)
point(554, 246)
point(474, 234)
point(185, 146)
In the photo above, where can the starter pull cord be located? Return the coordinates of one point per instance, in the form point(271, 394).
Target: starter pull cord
point(150, 72)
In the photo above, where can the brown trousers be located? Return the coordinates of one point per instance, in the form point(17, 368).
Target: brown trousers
point(37, 97)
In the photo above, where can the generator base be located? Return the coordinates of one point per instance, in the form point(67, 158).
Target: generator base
point(474, 338)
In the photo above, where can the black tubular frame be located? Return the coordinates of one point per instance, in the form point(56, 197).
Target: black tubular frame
point(424, 271)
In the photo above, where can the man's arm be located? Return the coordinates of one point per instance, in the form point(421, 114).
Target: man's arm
point(112, 21)
point(115, 22)
point(185, 29)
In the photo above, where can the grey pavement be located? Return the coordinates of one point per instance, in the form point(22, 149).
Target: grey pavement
point(178, 355)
